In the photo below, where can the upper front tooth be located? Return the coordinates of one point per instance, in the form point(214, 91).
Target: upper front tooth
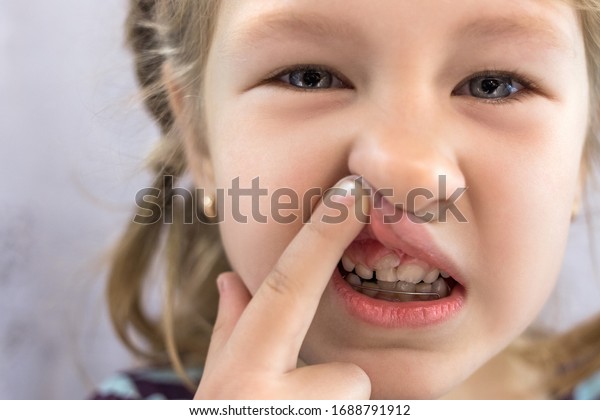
point(431, 276)
point(444, 274)
point(363, 271)
point(410, 273)
point(388, 274)
point(347, 263)
point(389, 261)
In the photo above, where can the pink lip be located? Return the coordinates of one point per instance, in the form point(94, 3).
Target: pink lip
point(414, 240)
point(398, 314)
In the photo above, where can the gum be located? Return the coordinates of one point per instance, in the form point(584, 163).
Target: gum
point(369, 252)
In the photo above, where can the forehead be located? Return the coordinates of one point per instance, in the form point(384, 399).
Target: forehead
point(545, 23)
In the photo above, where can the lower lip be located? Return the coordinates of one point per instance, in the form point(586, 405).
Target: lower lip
point(382, 313)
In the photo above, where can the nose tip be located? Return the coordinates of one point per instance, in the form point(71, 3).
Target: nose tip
point(418, 178)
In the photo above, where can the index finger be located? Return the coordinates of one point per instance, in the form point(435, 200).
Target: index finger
point(278, 317)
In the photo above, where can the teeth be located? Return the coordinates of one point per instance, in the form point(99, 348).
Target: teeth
point(386, 275)
point(431, 276)
point(439, 286)
point(372, 289)
point(353, 279)
point(405, 287)
point(389, 261)
point(386, 285)
point(423, 287)
point(347, 264)
point(409, 277)
point(364, 272)
point(369, 285)
point(410, 273)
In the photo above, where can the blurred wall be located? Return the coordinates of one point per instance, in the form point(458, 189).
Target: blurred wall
point(72, 141)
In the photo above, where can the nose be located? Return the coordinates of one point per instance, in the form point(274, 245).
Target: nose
point(411, 157)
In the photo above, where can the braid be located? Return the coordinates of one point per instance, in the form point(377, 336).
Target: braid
point(179, 32)
point(144, 40)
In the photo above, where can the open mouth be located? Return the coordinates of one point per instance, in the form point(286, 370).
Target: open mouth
point(391, 275)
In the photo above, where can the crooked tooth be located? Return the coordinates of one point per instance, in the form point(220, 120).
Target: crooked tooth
point(347, 263)
point(431, 276)
point(369, 285)
point(353, 279)
point(389, 261)
point(440, 287)
point(444, 274)
point(410, 273)
point(363, 271)
point(386, 275)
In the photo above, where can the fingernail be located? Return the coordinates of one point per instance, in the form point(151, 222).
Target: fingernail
point(357, 187)
point(350, 185)
point(221, 284)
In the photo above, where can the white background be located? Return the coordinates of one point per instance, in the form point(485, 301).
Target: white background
point(72, 142)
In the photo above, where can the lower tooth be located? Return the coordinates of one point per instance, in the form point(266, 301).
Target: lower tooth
point(402, 286)
point(386, 285)
point(440, 287)
point(423, 288)
point(353, 279)
point(367, 289)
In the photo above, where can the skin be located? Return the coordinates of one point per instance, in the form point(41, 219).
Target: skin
point(402, 121)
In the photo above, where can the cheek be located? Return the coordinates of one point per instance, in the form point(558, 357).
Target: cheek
point(277, 154)
point(522, 187)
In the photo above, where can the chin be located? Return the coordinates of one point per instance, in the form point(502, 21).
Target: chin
point(400, 374)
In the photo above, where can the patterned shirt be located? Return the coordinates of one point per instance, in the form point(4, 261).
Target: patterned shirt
point(164, 384)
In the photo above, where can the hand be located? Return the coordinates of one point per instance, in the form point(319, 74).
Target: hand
point(252, 354)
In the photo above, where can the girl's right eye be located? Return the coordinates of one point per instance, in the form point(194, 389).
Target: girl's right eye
point(310, 78)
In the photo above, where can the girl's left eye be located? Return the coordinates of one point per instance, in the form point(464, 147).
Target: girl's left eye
point(491, 87)
point(310, 78)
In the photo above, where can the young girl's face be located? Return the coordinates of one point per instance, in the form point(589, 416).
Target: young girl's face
point(492, 95)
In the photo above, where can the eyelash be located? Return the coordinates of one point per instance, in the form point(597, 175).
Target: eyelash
point(273, 78)
point(529, 85)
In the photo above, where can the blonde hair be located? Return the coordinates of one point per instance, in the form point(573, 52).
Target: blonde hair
point(180, 33)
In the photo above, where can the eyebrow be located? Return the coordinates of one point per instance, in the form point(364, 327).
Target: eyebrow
point(279, 24)
point(285, 24)
point(524, 27)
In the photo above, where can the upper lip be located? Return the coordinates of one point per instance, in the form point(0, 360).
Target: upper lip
point(410, 237)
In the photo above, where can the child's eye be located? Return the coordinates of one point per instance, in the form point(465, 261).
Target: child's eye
point(310, 78)
point(493, 87)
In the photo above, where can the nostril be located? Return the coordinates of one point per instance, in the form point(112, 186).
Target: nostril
point(420, 205)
